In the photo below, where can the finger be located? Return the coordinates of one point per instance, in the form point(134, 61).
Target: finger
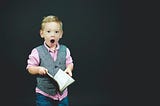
point(71, 74)
point(46, 70)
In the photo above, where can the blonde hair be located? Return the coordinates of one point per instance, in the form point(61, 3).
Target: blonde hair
point(51, 18)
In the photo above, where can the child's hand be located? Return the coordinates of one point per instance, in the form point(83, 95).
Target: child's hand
point(42, 70)
point(68, 71)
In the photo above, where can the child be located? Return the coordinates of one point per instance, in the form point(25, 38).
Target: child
point(50, 56)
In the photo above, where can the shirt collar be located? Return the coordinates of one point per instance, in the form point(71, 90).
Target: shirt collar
point(50, 49)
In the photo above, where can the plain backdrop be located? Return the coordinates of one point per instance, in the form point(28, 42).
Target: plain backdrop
point(95, 31)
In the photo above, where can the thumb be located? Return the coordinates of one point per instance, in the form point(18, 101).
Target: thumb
point(46, 70)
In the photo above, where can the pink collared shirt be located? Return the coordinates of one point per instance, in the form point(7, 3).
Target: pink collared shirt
point(34, 60)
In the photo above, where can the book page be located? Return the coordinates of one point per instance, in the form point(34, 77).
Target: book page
point(63, 79)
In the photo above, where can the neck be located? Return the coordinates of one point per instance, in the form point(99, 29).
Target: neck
point(51, 46)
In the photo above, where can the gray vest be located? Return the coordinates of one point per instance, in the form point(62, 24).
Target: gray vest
point(45, 83)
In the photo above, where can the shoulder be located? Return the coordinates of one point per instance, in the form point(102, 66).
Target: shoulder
point(38, 47)
point(65, 49)
point(35, 49)
point(62, 47)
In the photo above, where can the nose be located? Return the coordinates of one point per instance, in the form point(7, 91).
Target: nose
point(52, 34)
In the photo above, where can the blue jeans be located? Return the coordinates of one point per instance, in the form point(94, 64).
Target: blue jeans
point(42, 100)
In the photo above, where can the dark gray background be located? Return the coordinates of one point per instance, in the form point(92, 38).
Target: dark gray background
point(95, 32)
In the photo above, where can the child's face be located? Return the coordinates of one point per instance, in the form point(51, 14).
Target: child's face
point(51, 33)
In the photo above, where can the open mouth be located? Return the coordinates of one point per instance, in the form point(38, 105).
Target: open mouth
point(52, 40)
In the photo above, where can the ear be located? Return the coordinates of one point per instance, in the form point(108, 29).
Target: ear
point(61, 34)
point(41, 34)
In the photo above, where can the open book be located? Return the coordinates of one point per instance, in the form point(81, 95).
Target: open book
point(62, 78)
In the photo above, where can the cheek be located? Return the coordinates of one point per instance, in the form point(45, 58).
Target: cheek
point(60, 36)
point(46, 38)
point(41, 35)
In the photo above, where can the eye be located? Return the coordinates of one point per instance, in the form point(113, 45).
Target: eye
point(48, 31)
point(56, 31)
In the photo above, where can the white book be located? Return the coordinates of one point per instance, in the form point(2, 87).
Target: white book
point(62, 78)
